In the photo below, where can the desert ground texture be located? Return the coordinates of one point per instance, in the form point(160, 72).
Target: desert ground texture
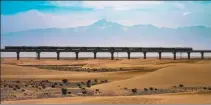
point(101, 81)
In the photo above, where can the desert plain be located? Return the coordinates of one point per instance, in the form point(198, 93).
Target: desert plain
point(101, 81)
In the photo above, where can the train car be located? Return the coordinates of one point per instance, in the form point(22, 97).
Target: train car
point(46, 48)
point(27, 48)
point(12, 47)
point(184, 49)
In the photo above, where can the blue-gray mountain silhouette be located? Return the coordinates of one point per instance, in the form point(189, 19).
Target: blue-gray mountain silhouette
point(112, 32)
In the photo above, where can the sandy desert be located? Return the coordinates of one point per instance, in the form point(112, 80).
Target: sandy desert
point(123, 81)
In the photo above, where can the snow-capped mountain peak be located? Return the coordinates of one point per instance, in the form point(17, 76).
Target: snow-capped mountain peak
point(105, 22)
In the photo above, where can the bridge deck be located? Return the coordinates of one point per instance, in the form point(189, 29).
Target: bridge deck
point(39, 49)
point(92, 49)
point(12, 50)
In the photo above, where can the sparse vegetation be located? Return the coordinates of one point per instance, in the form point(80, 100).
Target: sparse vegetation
point(84, 91)
point(89, 81)
point(151, 88)
point(102, 81)
point(53, 86)
point(43, 86)
point(96, 81)
point(45, 93)
point(88, 85)
point(79, 85)
point(82, 83)
point(145, 89)
point(17, 87)
point(205, 88)
point(181, 85)
point(65, 81)
point(134, 90)
point(64, 91)
point(23, 90)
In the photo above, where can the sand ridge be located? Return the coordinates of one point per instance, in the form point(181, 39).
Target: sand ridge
point(187, 74)
point(152, 99)
point(168, 73)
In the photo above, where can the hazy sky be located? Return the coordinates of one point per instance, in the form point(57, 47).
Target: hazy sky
point(23, 15)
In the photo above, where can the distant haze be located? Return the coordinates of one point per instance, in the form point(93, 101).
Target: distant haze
point(105, 23)
point(108, 33)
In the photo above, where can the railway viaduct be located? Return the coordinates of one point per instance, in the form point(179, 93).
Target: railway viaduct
point(95, 50)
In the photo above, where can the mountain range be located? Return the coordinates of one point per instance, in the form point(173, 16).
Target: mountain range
point(108, 33)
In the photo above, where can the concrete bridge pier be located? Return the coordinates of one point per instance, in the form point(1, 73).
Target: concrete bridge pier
point(95, 55)
point(58, 55)
point(202, 55)
point(128, 53)
point(38, 55)
point(145, 53)
point(76, 55)
point(175, 57)
point(160, 55)
point(112, 55)
point(18, 55)
point(188, 55)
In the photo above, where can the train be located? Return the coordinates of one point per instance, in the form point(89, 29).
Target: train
point(135, 49)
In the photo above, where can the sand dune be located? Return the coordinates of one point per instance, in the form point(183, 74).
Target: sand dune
point(12, 72)
point(186, 74)
point(104, 63)
point(150, 99)
point(168, 74)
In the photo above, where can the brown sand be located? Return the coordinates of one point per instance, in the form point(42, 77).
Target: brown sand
point(12, 72)
point(188, 73)
point(150, 99)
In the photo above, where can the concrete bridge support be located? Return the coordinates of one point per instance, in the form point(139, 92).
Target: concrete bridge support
point(160, 55)
point(145, 53)
point(128, 53)
point(202, 55)
point(95, 55)
point(112, 55)
point(188, 55)
point(175, 55)
point(58, 55)
point(38, 55)
point(76, 55)
point(18, 55)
